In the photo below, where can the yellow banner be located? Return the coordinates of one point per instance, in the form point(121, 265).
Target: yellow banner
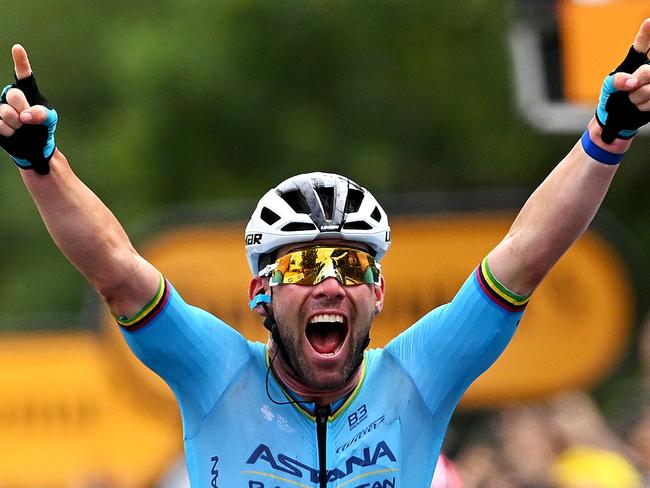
point(71, 416)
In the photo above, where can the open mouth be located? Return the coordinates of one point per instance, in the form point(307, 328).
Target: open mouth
point(326, 333)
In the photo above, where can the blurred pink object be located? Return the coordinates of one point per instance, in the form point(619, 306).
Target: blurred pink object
point(446, 475)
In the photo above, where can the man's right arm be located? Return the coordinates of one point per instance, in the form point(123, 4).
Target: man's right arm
point(82, 227)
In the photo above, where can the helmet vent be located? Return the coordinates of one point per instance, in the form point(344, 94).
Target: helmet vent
point(326, 195)
point(376, 214)
point(296, 201)
point(269, 216)
point(297, 226)
point(359, 225)
point(355, 197)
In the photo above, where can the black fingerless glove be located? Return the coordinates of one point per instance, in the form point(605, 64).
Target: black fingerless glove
point(31, 146)
point(616, 114)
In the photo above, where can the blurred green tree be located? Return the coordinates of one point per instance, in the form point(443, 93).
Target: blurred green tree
point(171, 102)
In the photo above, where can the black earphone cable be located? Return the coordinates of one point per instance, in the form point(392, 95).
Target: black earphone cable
point(272, 325)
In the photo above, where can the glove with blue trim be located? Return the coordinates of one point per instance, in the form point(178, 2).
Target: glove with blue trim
point(616, 114)
point(31, 146)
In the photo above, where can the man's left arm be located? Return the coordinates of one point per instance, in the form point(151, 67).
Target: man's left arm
point(563, 206)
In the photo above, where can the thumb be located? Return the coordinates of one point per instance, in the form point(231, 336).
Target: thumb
point(642, 40)
point(34, 115)
point(21, 62)
point(625, 82)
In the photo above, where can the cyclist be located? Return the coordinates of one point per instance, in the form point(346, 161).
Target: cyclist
point(313, 407)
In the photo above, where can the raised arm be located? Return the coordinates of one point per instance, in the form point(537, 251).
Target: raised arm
point(563, 206)
point(81, 225)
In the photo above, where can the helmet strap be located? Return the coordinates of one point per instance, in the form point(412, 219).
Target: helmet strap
point(272, 326)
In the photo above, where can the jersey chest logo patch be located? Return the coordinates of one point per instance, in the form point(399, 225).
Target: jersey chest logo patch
point(263, 456)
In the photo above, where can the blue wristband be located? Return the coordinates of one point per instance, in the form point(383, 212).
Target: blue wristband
point(598, 153)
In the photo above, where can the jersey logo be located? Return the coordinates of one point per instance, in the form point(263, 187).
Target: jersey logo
point(268, 414)
point(386, 483)
point(288, 465)
point(361, 434)
point(276, 418)
point(357, 416)
point(214, 472)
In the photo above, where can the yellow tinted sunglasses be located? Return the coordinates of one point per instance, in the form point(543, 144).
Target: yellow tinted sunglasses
point(311, 265)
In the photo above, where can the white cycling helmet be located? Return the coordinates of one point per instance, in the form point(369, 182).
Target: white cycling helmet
point(315, 206)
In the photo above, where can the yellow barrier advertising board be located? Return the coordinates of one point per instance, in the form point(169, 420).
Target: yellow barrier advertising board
point(70, 417)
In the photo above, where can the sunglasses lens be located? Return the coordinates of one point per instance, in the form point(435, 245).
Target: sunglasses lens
point(312, 265)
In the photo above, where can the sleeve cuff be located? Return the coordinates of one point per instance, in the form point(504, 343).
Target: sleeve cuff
point(497, 292)
point(149, 311)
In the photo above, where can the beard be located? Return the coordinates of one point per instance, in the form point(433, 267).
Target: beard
point(294, 341)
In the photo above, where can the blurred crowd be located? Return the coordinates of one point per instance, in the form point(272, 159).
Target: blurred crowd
point(565, 441)
point(561, 443)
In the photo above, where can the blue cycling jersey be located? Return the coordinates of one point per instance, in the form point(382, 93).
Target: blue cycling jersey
point(386, 433)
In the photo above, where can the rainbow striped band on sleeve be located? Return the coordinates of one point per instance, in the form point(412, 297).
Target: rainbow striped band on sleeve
point(149, 311)
point(498, 293)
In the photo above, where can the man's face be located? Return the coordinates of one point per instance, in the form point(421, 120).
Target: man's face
point(324, 327)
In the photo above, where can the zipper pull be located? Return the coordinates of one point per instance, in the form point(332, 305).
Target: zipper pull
point(323, 412)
